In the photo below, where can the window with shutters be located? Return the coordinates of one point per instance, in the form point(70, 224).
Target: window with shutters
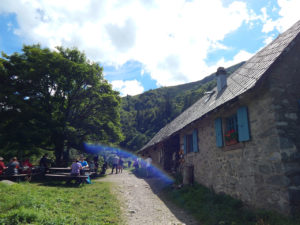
point(231, 130)
point(236, 128)
point(189, 144)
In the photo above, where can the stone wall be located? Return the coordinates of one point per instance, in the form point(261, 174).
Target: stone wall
point(263, 172)
point(286, 96)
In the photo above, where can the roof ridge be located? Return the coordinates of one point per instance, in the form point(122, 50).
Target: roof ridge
point(242, 80)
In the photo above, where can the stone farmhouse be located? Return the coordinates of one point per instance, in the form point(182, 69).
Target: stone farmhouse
point(243, 137)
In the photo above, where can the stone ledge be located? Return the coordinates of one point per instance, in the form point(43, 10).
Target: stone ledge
point(237, 146)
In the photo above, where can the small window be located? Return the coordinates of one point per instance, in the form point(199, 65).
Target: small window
point(231, 130)
point(236, 128)
point(189, 143)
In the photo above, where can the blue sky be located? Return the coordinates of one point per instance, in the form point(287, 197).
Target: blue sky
point(145, 44)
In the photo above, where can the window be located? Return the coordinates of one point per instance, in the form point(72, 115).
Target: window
point(231, 130)
point(190, 142)
point(236, 128)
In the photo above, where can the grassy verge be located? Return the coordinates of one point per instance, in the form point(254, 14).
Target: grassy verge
point(55, 203)
point(212, 209)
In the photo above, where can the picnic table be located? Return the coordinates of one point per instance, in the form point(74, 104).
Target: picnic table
point(16, 177)
point(21, 176)
point(67, 177)
point(63, 173)
point(64, 169)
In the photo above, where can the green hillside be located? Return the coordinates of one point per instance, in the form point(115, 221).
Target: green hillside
point(142, 116)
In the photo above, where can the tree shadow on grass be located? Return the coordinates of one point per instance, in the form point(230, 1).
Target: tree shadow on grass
point(56, 183)
point(61, 184)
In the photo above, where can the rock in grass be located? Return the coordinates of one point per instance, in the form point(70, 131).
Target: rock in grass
point(8, 182)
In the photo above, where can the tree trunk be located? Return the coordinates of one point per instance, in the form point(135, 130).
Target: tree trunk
point(59, 151)
point(66, 156)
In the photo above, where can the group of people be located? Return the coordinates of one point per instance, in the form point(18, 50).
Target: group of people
point(118, 164)
point(77, 168)
point(144, 164)
point(15, 167)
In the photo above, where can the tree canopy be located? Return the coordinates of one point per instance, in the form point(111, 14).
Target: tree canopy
point(55, 100)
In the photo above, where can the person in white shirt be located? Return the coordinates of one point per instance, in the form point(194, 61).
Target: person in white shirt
point(148, 165)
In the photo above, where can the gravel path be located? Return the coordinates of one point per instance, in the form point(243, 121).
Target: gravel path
point(142, 204)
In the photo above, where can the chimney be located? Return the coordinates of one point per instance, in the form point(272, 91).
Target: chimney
point(221, 76)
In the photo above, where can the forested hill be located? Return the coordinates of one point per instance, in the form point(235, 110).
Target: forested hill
point(142, 116)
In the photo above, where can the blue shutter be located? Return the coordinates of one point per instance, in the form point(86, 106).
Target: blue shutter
point(195, 140)
point(184, 144)
point(243, 124)
point(219, 133)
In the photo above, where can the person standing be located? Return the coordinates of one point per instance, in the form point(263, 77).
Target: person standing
point(120, 165)
point(136, 164)
point(104, 167)
point(148, 165)
point(115, 164)
point(2, 166)
point(44, 163)
point(96, 163)
point(143, 166)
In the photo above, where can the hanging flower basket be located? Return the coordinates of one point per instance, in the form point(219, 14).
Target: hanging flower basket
point(231, 137)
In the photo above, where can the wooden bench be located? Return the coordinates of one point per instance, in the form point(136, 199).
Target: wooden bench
point(67, 177)
point(64, 169)
point(91, 174)
point(16, 177)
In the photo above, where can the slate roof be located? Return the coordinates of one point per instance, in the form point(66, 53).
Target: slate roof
point(242, 80)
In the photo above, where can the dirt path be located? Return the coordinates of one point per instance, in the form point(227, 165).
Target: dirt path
point(142, 204)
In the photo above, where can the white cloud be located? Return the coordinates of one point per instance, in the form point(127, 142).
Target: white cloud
point(239, 57)
point(289, 14)
point(129, 87)
point(171, 38)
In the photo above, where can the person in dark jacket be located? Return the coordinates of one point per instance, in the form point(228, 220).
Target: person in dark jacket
point(13, 167)
point(45, 163)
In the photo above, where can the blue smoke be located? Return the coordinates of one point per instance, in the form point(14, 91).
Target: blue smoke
point(108, 150)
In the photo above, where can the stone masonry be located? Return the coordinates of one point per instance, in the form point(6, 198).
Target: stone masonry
point(265, 171)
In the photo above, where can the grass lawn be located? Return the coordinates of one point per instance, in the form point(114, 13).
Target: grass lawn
point(56, 203)
point(212, 209)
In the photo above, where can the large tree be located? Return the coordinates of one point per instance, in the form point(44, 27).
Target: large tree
point(55, 100)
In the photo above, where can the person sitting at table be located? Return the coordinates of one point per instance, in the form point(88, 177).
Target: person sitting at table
point(26, 167)
point(2, 166)
point(75, 168)
point(84, 164)
point(13, 167)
